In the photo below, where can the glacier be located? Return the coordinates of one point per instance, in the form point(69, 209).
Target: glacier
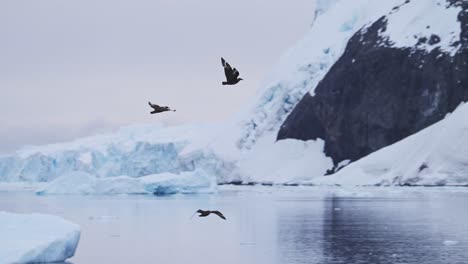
point(36, 238)
point(302, 67)
point(155, 158)
point(78, 182)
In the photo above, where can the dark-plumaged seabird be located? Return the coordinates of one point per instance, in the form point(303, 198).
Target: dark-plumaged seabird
point(203, 213)
point(232, 75)
point(159, 109)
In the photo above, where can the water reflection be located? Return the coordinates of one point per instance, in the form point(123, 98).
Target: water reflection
point(300, 236)
point(292, 226)
point(372, 231)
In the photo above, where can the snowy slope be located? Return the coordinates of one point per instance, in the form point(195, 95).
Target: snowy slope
point(410, 22)
point(303, 66)
point(438, 155)
point(36, 238)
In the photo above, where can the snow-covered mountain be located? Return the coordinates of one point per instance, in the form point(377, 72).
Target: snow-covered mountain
point(368, 74)
point(397, 75)
point(437, 155)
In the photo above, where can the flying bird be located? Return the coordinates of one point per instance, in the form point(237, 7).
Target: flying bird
point(208, 212)
point(159, 109)
point(232, 75)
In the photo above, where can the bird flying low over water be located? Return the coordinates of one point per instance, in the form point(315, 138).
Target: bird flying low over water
point(208, 212)
point(232, 75)
point(159, 109)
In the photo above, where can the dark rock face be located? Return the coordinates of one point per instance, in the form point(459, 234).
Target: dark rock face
point(376, 95)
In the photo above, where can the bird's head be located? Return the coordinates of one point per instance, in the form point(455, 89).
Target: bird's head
point(240, 79)
point(199, 211)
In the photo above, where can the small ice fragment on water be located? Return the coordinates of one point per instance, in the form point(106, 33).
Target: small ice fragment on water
point(247, 243)
point(337, 209)
point(450, 242)
point(103, 218)
point(394, 255)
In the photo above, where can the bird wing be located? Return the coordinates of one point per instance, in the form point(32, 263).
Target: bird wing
point(152, 105)
point(228, 71)
point(218, 213)
point(235, 73)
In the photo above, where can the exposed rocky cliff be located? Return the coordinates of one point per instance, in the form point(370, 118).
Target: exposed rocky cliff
point(380, 92)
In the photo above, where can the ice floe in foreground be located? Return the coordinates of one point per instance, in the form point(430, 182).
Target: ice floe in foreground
point(160, 184)
point(37, 238)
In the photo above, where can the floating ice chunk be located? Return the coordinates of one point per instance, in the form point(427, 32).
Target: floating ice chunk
point(450, 242)
point(159, 184)
point(186, 182)
point(71, 183)
point(37, 238)
point(103, 218)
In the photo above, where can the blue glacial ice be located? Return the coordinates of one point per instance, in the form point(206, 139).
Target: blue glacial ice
point(83, 183)
point(36, 238)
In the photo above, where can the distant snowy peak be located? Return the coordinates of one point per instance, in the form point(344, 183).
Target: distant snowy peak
point(423, 25)
point(322, 6)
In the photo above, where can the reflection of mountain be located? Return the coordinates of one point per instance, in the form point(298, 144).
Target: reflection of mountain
point(300, 236)
point(385, 231)
point(372, 230)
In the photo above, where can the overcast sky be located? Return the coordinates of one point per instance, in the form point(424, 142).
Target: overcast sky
point(71, 68)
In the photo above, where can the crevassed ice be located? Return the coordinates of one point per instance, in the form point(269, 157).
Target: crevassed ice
point(302, 67)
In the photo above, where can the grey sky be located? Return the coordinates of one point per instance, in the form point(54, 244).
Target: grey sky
point(70, 68)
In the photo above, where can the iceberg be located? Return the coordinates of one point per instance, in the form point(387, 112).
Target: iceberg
point(78, 182)
point(133, 151)
point(36, 238)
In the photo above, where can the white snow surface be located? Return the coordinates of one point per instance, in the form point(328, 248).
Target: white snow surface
point(437, 155)
point(424, 18)
point(36, 238)
point(286, 161)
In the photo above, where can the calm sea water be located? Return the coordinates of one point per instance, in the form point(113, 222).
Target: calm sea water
point(265, 225)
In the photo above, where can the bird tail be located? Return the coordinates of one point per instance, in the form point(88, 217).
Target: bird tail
point(193, 215)
point(225, 83)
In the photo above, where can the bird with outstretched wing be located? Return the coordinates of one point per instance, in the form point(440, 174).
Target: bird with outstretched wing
point(232, 74)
